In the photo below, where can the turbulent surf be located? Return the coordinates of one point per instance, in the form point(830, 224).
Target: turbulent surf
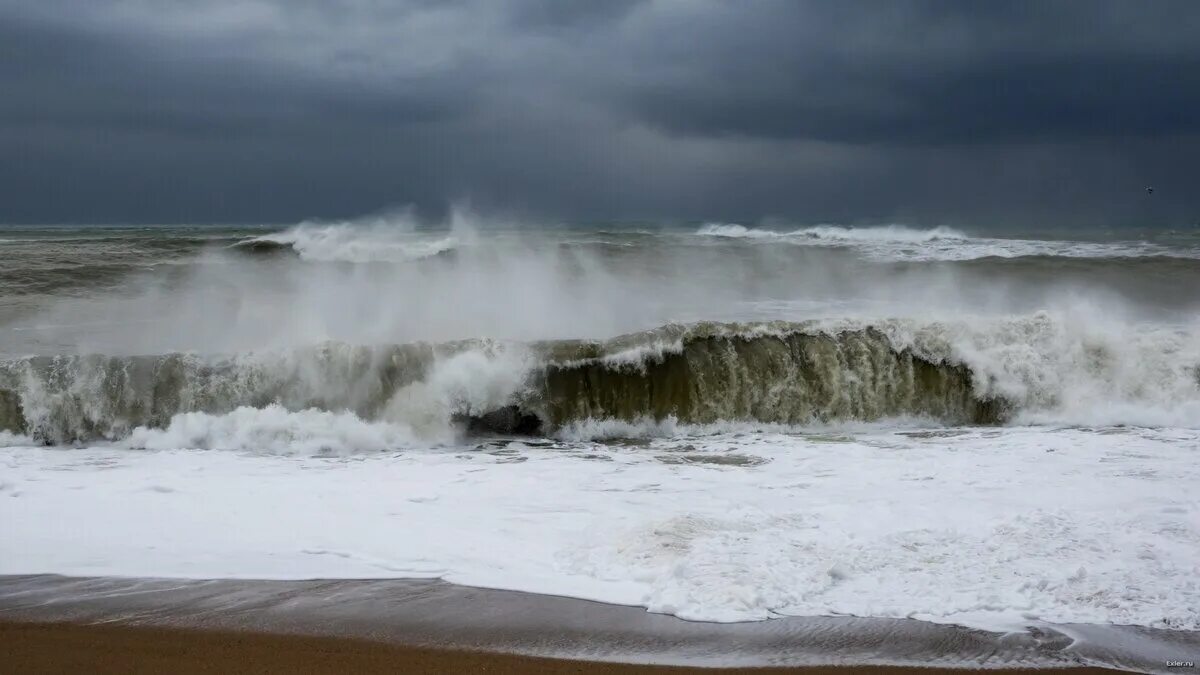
point(783, 374)
point(719, 421)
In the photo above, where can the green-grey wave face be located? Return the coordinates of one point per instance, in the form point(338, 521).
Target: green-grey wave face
point(701, 373)
point(786, 377)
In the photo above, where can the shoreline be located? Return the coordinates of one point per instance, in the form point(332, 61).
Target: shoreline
point(440, 624)
point(35, 648)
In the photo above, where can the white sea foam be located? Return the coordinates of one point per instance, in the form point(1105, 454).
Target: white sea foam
point(8, 439)
point(1056, 525)
point(274, 430)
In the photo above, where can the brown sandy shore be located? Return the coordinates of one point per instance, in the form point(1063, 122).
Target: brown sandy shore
point(52, 624)
point(36, 648)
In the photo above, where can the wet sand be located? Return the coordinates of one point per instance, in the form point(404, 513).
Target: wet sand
point(60, 624)
point(35, 648)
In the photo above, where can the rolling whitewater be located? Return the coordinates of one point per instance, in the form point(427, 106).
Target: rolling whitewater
point(719, 421)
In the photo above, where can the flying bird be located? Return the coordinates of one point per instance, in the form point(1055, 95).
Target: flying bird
point(1149, 190)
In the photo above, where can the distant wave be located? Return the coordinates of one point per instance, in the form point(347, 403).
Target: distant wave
point(1028, 369)
point(263, 246)
point(836, 233)
point(900, 243)
point(350, 242)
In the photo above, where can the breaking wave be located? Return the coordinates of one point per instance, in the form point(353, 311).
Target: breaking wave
point(900, 243)
point(837, 233)
point(1033, 369)
point(349, 243)
point(392, 237)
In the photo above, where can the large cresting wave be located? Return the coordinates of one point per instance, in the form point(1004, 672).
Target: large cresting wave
point(1029, 369)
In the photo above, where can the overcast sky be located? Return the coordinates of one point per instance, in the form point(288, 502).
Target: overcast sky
point(963, 112)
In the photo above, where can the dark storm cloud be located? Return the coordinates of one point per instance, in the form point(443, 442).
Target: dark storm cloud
point(542, 13)
point(1097, 96)
point(937, 73)
point(968, 111)
point(57, 77)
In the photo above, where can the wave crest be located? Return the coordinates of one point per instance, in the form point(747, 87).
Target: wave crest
point(901, 243)
point(351, 243)
point(389, 237)
point(837, 233)
point(1035, 369)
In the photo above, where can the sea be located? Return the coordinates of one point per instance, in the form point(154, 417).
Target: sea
point(717, 421)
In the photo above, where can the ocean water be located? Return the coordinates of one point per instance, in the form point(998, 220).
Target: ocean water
point(718, 421)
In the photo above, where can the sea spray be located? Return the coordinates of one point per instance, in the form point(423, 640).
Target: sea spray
point(1034, 367)
point(387, 237)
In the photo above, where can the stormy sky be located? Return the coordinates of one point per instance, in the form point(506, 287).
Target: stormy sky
point(1030, 113)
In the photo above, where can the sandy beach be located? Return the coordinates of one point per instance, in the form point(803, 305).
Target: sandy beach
point(35, 648)
point(53, 624)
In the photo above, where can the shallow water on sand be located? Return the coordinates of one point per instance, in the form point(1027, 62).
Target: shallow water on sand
point(440, 615)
